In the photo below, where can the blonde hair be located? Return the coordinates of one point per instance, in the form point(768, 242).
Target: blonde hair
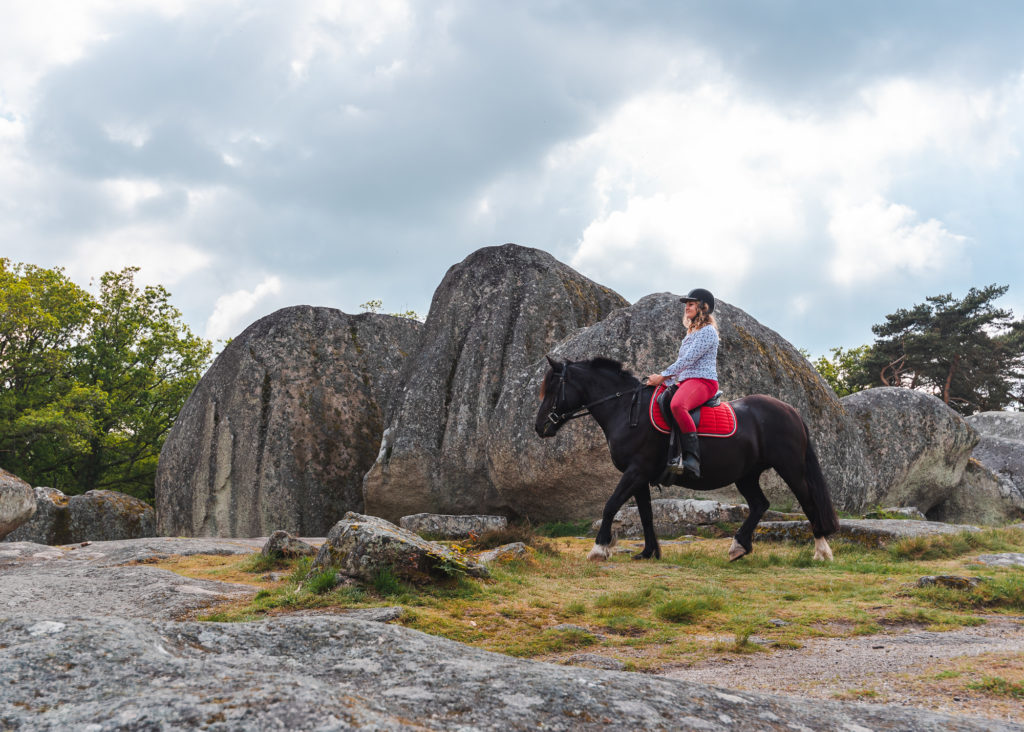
point(702, 319)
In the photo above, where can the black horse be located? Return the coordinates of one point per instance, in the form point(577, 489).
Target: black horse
point(769, 434)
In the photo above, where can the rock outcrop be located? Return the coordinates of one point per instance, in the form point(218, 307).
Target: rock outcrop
point(1000, 452)
point(442, 526)
point(572, 475)
point(494, 314)
point(280, 431)
point(93, 516)
point(917, 449)
point(17, 502)
point(361, 546)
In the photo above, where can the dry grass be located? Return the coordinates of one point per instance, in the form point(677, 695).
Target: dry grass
point(651, 615)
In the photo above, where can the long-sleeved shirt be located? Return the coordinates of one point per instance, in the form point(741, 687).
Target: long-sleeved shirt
point(698, 357)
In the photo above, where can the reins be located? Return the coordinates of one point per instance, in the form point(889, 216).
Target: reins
point(556, 419)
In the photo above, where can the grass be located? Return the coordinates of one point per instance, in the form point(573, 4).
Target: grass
point(689, 606)
point(998, 686)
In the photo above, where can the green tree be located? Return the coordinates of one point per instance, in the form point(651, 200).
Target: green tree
point(105, 392)
point(967, 352)
point(845, 371)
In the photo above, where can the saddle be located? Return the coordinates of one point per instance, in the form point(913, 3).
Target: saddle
point(719, 419)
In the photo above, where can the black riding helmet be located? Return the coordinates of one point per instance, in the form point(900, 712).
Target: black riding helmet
point(701, 295)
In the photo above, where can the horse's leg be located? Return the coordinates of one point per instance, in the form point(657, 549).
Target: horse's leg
point(643, 507)
point(750, 488)
point(628, 483)
point(799, 473)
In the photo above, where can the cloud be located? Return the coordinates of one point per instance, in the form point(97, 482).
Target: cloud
point(229, 309)
point(698, 179)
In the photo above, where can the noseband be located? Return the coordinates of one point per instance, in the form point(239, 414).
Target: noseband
point(557, 419)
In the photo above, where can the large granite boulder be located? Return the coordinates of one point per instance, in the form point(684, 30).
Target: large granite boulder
point(362, 546)
point(494, 314)
point(999, 474)
point(17, 502)
point(571, 475)
point(917, 449)
point(280, 431)
point(98, 515)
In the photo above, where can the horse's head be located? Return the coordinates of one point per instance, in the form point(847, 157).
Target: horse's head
point(559, 398)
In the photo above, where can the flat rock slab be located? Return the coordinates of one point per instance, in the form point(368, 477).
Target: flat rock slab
point(332, 672)
point(1009, 559)
point(867, 532)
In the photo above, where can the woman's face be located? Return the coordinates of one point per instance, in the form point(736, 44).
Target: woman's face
point(691, 309)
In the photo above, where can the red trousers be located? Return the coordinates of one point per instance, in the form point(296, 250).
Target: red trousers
point(691, 394)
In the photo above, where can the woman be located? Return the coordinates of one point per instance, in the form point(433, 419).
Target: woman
point(696, 373)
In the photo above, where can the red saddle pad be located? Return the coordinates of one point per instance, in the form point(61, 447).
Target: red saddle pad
point(717, 421)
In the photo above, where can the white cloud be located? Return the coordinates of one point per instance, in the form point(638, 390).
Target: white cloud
point(705, 179)
point(229, 309)
point(874, 238)
point(162, 258)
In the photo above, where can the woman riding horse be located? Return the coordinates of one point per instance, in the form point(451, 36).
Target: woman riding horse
point(696, 373)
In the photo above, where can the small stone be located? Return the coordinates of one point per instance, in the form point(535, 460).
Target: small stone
point(283, 544)
point(506, 553)
point(950, 581)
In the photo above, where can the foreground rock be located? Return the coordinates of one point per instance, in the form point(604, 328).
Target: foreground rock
point(93, 516)
point(866, 532)
point(500, 310)
point(442, 526)
point(361, 546)
point(279, 432)
point(332, 672)
point(283, 544)
point(571, 475)
point(17, 502)
point(917, 449)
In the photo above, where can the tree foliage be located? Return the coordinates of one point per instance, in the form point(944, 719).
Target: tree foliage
point(967, 352)
point(845, 371)
point(91, 385)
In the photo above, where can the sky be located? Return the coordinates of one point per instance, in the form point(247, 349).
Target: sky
point(817, 164)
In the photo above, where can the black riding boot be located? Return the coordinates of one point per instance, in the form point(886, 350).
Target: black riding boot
point(691, 453)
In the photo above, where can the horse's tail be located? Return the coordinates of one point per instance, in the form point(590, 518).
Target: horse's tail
point(823, 515)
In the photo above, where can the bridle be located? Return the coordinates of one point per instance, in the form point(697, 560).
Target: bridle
point(557, 419)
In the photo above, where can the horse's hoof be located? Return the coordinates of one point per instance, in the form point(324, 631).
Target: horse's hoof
point(822, 551)
point(599, 553)
point(736, 551)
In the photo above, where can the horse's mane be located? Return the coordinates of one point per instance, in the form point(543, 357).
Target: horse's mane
point(609, 364)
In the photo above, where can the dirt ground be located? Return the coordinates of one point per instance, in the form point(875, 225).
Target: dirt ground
point(914, 668)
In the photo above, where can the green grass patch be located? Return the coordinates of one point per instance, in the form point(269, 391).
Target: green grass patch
point(688, 608)
point(559, 529)
point(998, 686)
point(259, 563)
point(1005, 593)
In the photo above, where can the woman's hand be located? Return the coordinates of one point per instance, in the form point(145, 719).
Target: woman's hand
point(655, 379)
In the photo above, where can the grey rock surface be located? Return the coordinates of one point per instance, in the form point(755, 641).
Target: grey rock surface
point(98, 515)
point(1006, 559)
point(360, 546)
point(444, 526)
point(983, 496)
point(102, 579)
point(1008, 425)
point(868, 532)
point(280, 431)
point(494, 314)
point(916, 446)
point(571, 475)
point(17, 502)
point(332, 672)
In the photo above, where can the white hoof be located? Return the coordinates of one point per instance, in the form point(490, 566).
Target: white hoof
point(600, 552)
point(822, 551)
point(736, 551)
